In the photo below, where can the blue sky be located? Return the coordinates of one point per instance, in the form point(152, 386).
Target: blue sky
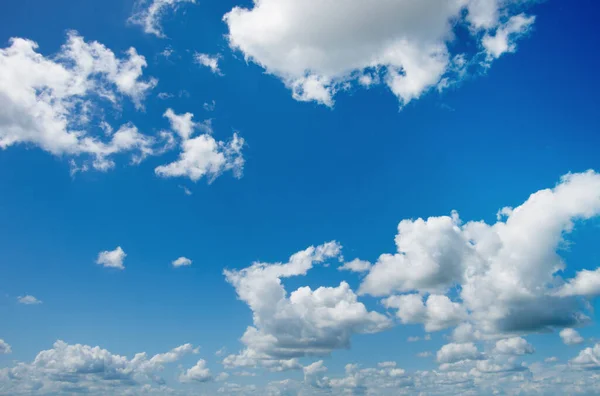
point(329, 161)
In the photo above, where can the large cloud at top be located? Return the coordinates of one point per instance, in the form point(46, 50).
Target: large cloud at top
point(317, 46)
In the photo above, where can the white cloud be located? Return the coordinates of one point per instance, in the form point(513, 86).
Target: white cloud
point(81, 368)
point(452, 353)
point(504, 39)
point(513, 346)
point(181, 123)
point(28, 300)
point(210, 61)
point(307, 322)
point(221, 376)
point(588, 358)
point(317, 47)
point(586, 283)
point(148, 14)
point(551, 359)
point(570, 337)
point(201, 155)
point(506, 282)
point(438, 313)
point(112, 258)
point(48, 102)
point(182, 262)
point(355, 265)
point(424, 354)
point(198, 373)
point(427, 337)
point(4, 347)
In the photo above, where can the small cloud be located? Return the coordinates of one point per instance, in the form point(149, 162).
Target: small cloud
point(210, 61)
point(182, 262)
point(164, 95)
point(28, 300)
point(551, 359)
point(221, 352)
point(112, 258)
point(210, 106)
point(186, 190)
point(167, 52)
point(425, 354)
point(356, 265)
point(4, 348)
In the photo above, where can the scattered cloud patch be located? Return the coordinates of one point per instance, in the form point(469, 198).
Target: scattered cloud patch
point(198, 373)
point(4, 348)
point(356, 265)
point(28, 300)
point(149, 13)
point(112, 258)
point(210, 61)
point(304, 322)
point(571, 337)
point(504, 284)
point(201, 155)
point(68, 368)
point(50, 102)
point(182, 262)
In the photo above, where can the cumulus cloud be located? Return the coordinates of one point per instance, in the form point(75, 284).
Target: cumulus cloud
point(570, 337)
point(112, 258)
point(210, 61)
point(149, 13)
point(514, 346)
point(504, 39)
point(4, 347)
point(507, 274)
point(307, 322)
point(586, 283)
point(198, 373)
point(28, 300)
point(316, 47)
point(588, 358)
point(355, 265)
point(182, 262)
point(201, 155)
point(49, 102)
point(436, 314)
point(77, 368)
point(453, 352)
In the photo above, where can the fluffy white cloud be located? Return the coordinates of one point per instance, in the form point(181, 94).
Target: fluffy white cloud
point(210, 61)
point(356, 265)
point(432, 255)
point(453, 352)
point(504, 39)
point(28, 300)
point(317, 47)
point(436, 314)
point(49, 102)
point(81, 368)
point(112, 258)
point(198, 373)
point(307, 322)
point(4, 347)
point(570, 337)
point(148, 14)
point(182, 262)
point(588, 358)
point(507, 273)
point(586, 283)
point(513, 346)
point(201, 155)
